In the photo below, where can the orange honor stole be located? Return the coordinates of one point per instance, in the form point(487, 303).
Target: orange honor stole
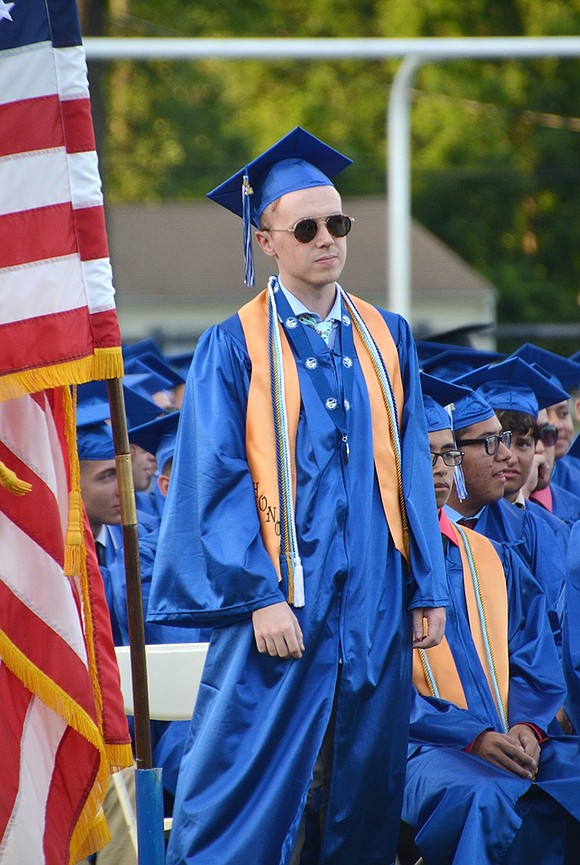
point(434, 671)
point(260, 431)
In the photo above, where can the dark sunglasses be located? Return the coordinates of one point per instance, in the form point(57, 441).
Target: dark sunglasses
point(305, 230)
point(548, 434)
point(491, 442)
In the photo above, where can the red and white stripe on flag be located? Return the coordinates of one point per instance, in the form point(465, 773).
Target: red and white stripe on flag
point(58, 322)
point(55, 762)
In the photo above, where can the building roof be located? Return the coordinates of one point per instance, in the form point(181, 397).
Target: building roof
point(190, 254)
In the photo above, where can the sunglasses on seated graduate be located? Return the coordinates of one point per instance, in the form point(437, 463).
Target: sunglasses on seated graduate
point(305, 230)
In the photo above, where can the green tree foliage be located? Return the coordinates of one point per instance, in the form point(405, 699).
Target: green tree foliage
point(495, 144)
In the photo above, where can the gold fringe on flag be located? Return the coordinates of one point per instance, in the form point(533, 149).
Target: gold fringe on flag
point(74, 547)
point(103, 363)
point(10, 481)
point(52, 695)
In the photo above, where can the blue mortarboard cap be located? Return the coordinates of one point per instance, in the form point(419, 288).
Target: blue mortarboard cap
point(143, 379)
point(143, 346)
point(565, 370)
point(92, 412)
point(149, 435)
point(299, 160)
point(453, 362)
point(471, 409)
point(575, 358)
point(95, 442)
point(160, 367)
point(513, 385)
point(427, 349)
point(436, 395)
point(139, 408)
point(181, 362)
point(438, 418)
point(439, 404)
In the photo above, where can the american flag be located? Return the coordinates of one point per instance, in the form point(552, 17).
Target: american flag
point(57, 312)
point(62, 726)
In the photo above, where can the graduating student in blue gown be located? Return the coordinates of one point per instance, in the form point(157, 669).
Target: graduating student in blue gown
point(276, 673)
point(571, 633)
point(531, 537)
point(485, 783)
point(566, 472)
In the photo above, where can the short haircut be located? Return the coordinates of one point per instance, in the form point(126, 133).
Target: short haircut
point(518, 422)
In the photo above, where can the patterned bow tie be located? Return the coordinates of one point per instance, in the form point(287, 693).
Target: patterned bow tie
point(322, 328)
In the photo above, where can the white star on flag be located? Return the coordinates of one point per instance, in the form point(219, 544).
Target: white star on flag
point(5, 9)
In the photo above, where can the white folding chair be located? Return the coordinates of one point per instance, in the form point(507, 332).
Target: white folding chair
point(174, 672)
point(173, 675)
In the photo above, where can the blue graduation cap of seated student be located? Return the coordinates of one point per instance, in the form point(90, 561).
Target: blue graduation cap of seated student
point(181, 362)
point(439, 404)
point(513, 385)
point(299, 160)
point(471, 409)
point(457, 360)
point(143, 346)
point(564, 369)
point(95, 441)
point(157, 365)
point(139, 407)
point(437, 394)
point(157, 436)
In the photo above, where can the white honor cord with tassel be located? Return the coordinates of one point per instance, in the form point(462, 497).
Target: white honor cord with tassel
point(286, 502)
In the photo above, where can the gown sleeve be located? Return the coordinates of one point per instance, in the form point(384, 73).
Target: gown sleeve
point(211, 565)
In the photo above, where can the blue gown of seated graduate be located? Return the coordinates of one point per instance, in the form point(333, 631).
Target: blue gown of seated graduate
point(259, 721)
point(566, 472)
point(571, 652)
point(537, 545)
point(467, 811)
point(565, 504)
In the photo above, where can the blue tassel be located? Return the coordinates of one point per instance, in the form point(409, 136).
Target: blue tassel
point(459, 481)
point(458, 477)
point(247, 190)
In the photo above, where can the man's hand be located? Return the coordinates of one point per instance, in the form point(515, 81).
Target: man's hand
point(277, 632)
point(428, 626)
point(517, 752)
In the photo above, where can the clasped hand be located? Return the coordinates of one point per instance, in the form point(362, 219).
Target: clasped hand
point(517, 752)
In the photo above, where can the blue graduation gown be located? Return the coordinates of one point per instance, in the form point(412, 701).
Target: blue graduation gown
point(566, 472)
point(571, 653)
point(259, 721)
point(466, 809)
point(536, 544)
point(565, 504)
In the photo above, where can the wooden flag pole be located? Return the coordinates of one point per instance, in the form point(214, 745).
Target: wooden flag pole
point(143, 753)
point(148, 782)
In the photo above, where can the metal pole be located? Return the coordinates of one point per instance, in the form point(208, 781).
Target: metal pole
point(399, 189)
point(151, 48)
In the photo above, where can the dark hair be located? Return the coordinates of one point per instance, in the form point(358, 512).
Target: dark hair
point(167, 466)
point(518, 422)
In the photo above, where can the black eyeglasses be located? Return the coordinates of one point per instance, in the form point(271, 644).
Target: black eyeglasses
point(305, 230)
point(450, 458)
point(491, 443)
point(548, 434)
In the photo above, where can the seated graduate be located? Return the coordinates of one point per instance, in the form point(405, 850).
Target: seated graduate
point(479, 434)
point(168, 737)
point(563, 492)
point(571, 653)
point(486, 783)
